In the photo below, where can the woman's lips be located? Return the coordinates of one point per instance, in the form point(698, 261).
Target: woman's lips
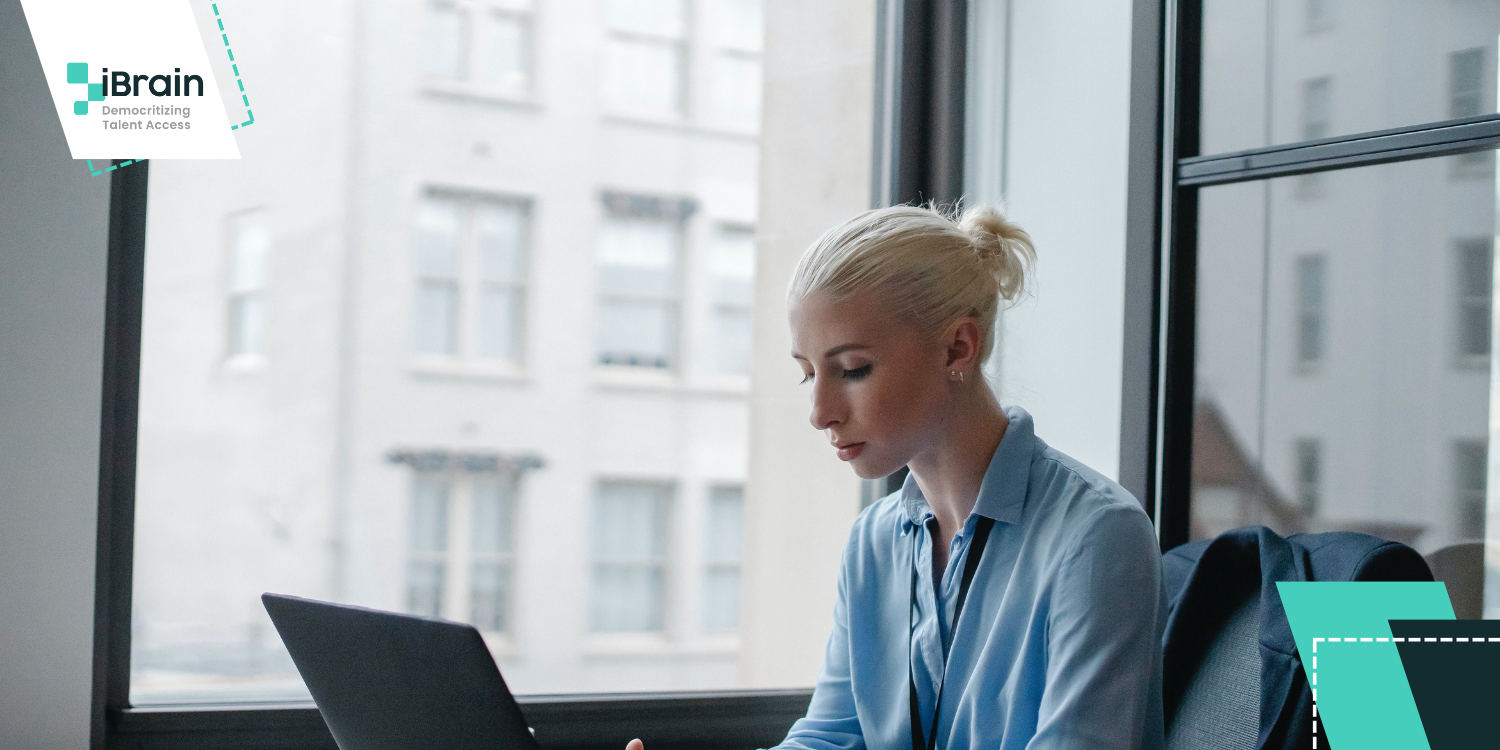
point(850, 451)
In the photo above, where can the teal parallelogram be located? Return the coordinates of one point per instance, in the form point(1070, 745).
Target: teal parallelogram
point(1361, 693)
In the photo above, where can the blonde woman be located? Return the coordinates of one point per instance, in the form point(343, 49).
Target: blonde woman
point(1007, 596)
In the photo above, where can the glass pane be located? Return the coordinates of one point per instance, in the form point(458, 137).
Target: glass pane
point(643, 76)
point(737, 88)
point(506, 43)
point(721, 599)
point(438, 225)
point(251, 252)
point(428, 527)
point(732, 337)
point(1334, 386)
point(659, 17)
point(443, 42)
point(247, 324)
point(626, 599)
point(501, 233)
point(489, 588)
point(437, 317)
point(726, 511)
point(1278, 71)
point(473, 231)
point(628, 522)
point(499, 316)
point(634, 333)
point(491, 517)
point(732, 266)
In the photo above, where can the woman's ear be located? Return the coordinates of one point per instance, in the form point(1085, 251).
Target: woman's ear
point(963, 344)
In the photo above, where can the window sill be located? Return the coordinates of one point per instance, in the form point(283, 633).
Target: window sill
point(458, 369)
point(700, 719)
point(478, 93)
point(681, 125)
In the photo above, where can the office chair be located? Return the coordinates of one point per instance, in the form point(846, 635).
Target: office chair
point(1461, 568)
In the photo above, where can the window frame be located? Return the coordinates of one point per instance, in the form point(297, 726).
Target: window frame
point(1162, 234)
point(919, 51)
point(918, 156)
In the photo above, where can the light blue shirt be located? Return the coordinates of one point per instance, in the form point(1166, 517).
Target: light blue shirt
point(1059, 644)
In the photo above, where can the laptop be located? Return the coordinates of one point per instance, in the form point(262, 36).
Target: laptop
point(388, 681)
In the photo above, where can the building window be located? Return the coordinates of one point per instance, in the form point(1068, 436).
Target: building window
point(722, 555)
point(629, 552)
point(1470, 475)
point(1466, 83)
point(1309, 473)
point(732, 289)
point(461, 541)
point(249, 256)
point(1321, 14)
point(1317, 108)
point(487, 45)
point(470, 257)
point(638, 257)
point(739, 28)
point(1475, 294)
point(1311, 323)
point(645, 56)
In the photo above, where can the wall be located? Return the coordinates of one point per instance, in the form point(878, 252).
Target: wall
point(53, 225)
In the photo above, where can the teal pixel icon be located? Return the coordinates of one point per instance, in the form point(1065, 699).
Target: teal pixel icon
point(79, 73)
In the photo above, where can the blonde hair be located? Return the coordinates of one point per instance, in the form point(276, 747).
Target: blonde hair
point(928, 267)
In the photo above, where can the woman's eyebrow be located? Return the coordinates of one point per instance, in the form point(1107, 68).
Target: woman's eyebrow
point(841, 348)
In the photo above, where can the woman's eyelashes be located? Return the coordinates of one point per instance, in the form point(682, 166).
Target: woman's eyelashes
point(857, 373)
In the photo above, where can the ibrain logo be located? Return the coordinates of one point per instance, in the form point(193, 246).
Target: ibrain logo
point(79, 73)
point(121, 83)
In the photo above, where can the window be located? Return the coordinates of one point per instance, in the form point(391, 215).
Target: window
point(1311, 323)
point(444, 47)
point(470, 262)
point(481, 47)
point(1309, 473)
point(639, 250)
point(1470, 470)
point(721, 559)
point(1475, 293)
point(645, 57)
point(1317, 108)
point(1321, 14)
point(249, 255)
point(732, 268)
point(461, 538)
point(629, 552)
point(1466, 83)
point(739, 28)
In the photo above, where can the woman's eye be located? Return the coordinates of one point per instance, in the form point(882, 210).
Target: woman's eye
point(806, 378)
point(857, 373)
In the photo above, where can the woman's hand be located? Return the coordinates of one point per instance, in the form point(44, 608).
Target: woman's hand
point(635, 745)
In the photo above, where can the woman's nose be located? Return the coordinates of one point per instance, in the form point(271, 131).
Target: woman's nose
point(825, 411)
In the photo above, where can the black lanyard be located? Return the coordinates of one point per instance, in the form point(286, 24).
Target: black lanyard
point(919, 741)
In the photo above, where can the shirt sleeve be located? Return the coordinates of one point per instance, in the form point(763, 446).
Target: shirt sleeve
point(1103, 640)
point(831, 722)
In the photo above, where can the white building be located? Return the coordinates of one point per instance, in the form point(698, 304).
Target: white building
point(467, 335)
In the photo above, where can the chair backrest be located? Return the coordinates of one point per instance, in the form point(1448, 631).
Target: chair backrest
point(1220, 710)
point(1461, 568)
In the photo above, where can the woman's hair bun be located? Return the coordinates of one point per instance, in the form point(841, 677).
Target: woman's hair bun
point(1003, 247)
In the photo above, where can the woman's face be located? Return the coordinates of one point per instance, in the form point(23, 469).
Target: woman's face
point(879, 387)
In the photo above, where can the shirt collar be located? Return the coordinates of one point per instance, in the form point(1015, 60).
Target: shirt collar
point(1002, 492)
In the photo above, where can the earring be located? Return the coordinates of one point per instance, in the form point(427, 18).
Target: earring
point(956, 375)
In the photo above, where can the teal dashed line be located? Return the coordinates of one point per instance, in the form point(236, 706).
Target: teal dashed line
point(96, 172)
point(235, 66)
